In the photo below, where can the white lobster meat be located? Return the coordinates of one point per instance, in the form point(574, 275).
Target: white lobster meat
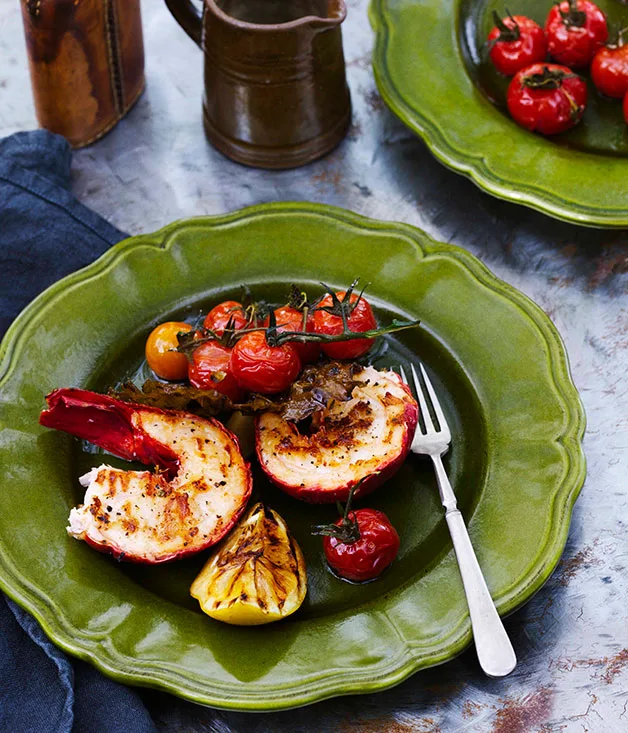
point(196, 494)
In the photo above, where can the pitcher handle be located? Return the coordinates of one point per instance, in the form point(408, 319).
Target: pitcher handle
point(188, 17)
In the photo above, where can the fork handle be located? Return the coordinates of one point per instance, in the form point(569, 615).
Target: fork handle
point(495, 653)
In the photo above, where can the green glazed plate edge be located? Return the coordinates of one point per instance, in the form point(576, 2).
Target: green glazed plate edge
point(128, 670)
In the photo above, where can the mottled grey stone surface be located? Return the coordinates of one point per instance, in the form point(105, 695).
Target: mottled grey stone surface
point(572, 637)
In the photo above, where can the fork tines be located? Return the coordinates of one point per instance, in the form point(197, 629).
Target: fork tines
point(430, 427)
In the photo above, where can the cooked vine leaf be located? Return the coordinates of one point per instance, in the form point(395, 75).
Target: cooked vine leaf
point(316, 386)
point(183, 397)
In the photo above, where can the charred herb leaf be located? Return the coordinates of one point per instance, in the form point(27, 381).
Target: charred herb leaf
point(316, 386)
point(184, 397)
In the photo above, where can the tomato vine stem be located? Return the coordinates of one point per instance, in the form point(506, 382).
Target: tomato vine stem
point(343, 307)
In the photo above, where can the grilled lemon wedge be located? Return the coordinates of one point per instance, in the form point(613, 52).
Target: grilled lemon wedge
point(257, 576)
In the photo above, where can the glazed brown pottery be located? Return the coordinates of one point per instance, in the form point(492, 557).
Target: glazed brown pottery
point(276, 94)
point(86, 61)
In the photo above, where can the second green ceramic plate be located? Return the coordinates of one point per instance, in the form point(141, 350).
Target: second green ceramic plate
point(516, 461)
point(431, 68)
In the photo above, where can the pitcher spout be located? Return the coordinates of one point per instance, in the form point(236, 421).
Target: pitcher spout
point(336, 13)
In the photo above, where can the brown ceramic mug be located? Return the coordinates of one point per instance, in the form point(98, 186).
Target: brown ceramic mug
point(276, 94)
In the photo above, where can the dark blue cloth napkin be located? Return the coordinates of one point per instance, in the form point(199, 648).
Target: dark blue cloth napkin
point(45, 233)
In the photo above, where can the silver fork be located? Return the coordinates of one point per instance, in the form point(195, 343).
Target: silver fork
point(495, 653)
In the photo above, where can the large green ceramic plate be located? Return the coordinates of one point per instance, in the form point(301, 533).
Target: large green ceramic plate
point(516, 461)
point(432, 71)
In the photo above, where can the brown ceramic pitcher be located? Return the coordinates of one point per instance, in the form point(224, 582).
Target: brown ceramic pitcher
point(276, 94)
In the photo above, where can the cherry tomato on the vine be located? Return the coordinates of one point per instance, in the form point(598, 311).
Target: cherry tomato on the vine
point(360, 319)
point(366, 557)
point(516, 42)
point(259, 367)
point(575, 30)
point(547, 98)
point(291, 319)
point(161, 353)
point(210, 369)
point(218, 317)
point(609, 70)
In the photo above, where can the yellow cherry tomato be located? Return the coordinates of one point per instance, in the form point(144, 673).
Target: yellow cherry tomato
point(161, 353)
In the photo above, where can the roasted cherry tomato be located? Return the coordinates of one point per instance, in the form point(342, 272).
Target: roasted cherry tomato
point(575, 30)
point(360, 319)
point(161, 353)
point(218, 318)
point(290, 319)
point(259, 367)
point(546, 98)
point(366, 557)
point(609, 70)
point(516, 42)
point(210, 369)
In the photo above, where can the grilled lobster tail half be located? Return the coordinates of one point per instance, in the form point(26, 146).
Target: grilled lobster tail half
point(198, 492)
point(359, 442)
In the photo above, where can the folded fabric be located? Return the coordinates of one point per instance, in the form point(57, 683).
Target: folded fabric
point(45, 233)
